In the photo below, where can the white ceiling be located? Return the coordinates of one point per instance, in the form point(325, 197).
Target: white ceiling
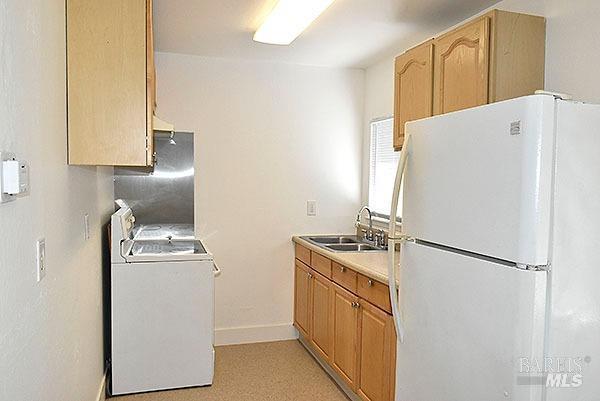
point(350, 33)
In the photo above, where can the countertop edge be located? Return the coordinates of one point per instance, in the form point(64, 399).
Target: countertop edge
point(338, 257)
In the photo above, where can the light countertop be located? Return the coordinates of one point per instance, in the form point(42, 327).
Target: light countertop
point(371, 264)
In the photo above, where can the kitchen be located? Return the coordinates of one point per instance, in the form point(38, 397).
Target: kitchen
point(275, 128)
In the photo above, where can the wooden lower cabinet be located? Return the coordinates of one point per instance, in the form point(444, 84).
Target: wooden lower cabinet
point(302, 298)
point(377, 354)
point(345, 335)
point(321, 336)
point(352, 335)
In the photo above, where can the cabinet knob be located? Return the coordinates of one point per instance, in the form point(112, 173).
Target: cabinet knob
point(355, 305)
point(310, 275)
point(342, 269)
point(370, 283)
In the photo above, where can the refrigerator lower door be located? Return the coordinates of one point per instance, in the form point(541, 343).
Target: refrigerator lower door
point(468, 323)
point(485, 170)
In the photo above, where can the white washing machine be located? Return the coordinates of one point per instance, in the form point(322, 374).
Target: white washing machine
point(162, 309)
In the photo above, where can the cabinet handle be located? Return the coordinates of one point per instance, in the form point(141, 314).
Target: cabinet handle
point(342, 269)
point(310, 275)
point(370, 283)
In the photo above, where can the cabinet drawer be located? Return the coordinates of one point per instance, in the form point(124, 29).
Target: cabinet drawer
point(321, 264)
point(303, 254)
point(375, 292)
point(344, 276)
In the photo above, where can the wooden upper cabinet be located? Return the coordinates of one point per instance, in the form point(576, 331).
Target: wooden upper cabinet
point(517, 54)
point(345, 335)
point(377, 354)
point(496, 57)
point(413, 88)
point(321, 316)
point(150, 83)
point(110, 78)
point(461, 67)
point(302, 298)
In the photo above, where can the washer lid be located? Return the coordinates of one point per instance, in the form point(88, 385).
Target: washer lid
point(165, 250)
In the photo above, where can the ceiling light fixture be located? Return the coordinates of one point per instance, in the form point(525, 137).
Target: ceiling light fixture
point(289, 19)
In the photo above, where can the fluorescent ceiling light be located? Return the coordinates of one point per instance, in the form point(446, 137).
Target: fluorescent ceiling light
point(288, 19)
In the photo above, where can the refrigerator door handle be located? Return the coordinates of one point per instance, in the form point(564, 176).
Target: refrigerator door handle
point(394, 289)
point(393, 240)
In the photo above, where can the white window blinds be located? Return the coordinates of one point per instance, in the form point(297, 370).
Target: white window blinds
point(382, 168)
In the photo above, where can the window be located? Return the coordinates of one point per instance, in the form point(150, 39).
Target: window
point(382, 167)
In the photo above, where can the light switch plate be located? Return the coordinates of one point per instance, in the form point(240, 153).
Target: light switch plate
point(311, 208)
point(41, 259)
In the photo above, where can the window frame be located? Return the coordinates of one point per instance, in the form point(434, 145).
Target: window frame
point(383, 218)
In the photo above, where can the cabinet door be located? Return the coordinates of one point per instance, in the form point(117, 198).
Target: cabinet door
point(302, 298)
point(461, 67)
point(150, 83)
point(322, 316)
point(413, 88)
point(377, 354)
point(107, 82)
point(345, 335)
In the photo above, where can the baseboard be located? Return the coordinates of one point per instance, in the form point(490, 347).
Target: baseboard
point(102, 391)
point(255, 334)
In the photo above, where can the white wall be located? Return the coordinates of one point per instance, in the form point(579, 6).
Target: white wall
point(379, 102)
point(572, 56)
point(269, 137)
point(50, 332)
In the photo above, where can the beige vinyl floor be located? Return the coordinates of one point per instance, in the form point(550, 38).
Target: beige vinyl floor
point(277, 371)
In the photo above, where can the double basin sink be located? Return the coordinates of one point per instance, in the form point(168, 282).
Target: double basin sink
point(343, 243)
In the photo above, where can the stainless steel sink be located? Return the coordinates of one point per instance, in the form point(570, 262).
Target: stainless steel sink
point(342, 239)
point(343, 243)
point(353, 248)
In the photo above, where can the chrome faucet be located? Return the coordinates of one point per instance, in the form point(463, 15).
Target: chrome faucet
point(368, 234)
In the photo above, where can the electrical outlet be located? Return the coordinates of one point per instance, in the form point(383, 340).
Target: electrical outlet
point(41, 259)
point(86, 226)
point(311, 208)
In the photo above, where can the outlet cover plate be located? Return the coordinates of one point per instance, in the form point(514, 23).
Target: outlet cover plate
point(311, 208)
point(41, 259)
point(86, 226)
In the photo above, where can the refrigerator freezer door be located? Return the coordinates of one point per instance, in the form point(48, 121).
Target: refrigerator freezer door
point(480, 179)
point(467, 324)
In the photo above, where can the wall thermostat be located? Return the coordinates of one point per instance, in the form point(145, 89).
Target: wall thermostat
point(14, 177)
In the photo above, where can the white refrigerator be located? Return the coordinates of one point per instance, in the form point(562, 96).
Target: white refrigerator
point(499, 264)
